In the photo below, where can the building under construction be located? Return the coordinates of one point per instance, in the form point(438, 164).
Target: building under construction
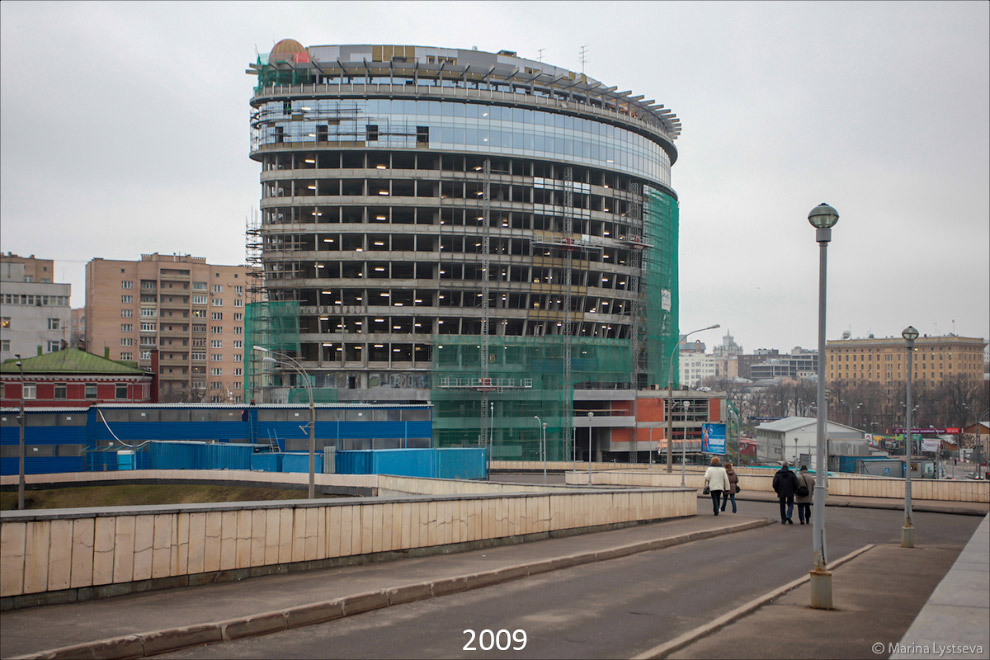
point(493, 234)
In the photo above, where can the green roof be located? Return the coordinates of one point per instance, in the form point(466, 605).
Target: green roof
point(71, 360)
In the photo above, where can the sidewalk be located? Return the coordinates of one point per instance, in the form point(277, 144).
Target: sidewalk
point(952, 623)
point(154, 622)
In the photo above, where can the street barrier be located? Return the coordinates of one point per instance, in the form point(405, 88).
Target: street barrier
point(72, 554)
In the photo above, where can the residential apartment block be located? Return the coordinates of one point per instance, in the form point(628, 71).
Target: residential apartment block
point(34, 310)
point(192, 312)
point(884, 360)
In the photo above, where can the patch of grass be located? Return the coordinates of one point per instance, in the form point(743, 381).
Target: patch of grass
point(142, 494)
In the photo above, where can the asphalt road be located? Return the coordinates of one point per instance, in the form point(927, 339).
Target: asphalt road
point(611, 609)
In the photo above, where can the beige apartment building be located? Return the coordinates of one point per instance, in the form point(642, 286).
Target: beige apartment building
point(884, 360)
point(190, 311)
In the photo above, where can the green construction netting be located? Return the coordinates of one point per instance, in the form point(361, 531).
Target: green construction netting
point(273, 326)
point(660, 273)
point(526, 375)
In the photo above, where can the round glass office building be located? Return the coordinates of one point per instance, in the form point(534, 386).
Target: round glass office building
point(491, 233)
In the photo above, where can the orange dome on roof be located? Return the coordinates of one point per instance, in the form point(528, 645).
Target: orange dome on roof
point(288, 46)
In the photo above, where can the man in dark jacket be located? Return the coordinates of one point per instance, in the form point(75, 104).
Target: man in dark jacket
point(785, 484)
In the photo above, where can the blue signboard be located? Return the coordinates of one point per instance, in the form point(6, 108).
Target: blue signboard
point(713, 438)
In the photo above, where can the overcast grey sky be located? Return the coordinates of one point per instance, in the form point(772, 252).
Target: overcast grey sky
point(124, 130)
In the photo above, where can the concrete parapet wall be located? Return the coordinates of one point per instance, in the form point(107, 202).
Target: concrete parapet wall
point(945, 490)
point(79, 551)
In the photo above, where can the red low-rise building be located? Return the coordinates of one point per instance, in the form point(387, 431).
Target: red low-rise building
point(74, 378)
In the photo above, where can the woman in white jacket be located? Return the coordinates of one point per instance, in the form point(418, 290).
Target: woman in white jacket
point(717, 482)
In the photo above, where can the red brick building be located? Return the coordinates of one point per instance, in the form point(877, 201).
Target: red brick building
point(74, 378)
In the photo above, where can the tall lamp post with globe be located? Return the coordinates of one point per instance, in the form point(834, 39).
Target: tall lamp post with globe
point(823, 217)
point(907, 532)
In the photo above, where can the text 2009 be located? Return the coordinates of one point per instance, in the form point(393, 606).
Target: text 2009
point(503, 640)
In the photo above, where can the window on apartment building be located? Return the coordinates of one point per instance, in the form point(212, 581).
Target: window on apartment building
point(216, 371)
point(238, 330)
point(199, 313)
point(53, 324)
point(217, 329)
point(126, 355)
point(238, 302)
point(120, 391)
point(4, 345)
point(217, 316)
point(126, 299)
point(238, 343)
point(148, 327)
point(145, 355)
point(148, 284)
point(4, 321)
point(30, 391)
point(238, 316)
point(60, 391)
point(238, 357)
point(238, 371)
point(216, 343)
point(126, 313)
point(127, 284)
point(54, 345)
point(91, 391)
point(126, 341)
point(216, 357)
point(199, 286)
point(238, 289)
point(217, 302)
point(127, 327)
point(149, 312)
point(217, 288)
point(198, 355)
point(199, 300)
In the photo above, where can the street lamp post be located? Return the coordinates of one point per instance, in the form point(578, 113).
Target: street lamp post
point(907, 532)
point(823, 217)
point(543, 444)
point(282, 358)
point(591, 416)
point(20, 442)
point(687, 404)
point(670, 396)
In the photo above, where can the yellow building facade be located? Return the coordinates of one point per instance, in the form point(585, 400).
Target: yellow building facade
point(884, 360)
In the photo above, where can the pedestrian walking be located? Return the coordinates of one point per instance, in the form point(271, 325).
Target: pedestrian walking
point(717, 482)
point(733, 487)
point(804, 494)
point(785, 484)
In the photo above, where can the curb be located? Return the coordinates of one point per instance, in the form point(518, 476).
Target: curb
point(691, 636)
point(162, 641)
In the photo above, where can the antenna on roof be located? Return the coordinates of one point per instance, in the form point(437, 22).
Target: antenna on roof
point(584, 56)
point(540, 53)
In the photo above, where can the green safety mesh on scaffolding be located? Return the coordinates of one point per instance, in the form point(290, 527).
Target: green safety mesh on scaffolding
point(660, 282)
point(274, 327)
point(286, 74)
point(525, 379)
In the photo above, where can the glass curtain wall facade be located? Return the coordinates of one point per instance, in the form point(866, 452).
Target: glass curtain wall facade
point(464, 227)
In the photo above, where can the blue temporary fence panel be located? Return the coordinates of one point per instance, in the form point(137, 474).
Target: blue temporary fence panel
point(293, 462)
point(355, 462)
point(405, 462)
point(460, 463)
point(450, 463)
point(266, 462)
point(200, 456)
